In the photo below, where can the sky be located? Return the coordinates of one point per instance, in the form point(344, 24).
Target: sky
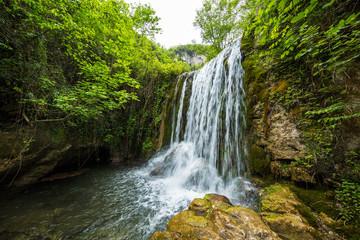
point(177, 17)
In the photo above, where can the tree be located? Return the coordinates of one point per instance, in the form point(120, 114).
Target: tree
point(145, 21)
point(217, 20)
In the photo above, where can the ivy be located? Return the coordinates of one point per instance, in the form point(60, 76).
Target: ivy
point(349, 197)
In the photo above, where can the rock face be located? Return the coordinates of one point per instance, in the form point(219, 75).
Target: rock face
point(193, 59)
point(214, 217)
point(285, 137)
point(31, 153)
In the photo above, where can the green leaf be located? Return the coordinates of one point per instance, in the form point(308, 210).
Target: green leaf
point(298, 17)
point(328, 4)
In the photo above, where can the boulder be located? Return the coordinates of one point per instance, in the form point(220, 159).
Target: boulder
point(286, 215)
point(157, 170)
point(214, 217)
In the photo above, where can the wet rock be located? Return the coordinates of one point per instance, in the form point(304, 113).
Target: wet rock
point(30, 153)
point(219, 201)
point(214, 217)
point(201, 207)
point(157, 171)
point(258, 182)
point(285, 214)
point(299, 174)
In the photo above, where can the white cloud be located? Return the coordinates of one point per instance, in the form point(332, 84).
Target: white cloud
point(177, 17)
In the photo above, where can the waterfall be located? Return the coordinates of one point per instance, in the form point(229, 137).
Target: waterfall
point(207, 151)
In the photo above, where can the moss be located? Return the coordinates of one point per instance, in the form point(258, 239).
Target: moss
point(219, 201)
point(253, 71)
point(307, 214)
point(317, 200)
point(247, 42)
point(264, 95)
point(352, 232)
point(296, 112)
point(168, 117)
point(200, 206)
point(259, 164)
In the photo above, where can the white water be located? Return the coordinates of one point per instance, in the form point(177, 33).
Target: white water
point(207, 151)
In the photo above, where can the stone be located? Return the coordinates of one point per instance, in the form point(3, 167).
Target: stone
point(285, 214)
point(258, 182)
point(214, 217)
point(299, 174)
point(157, 170)
point(326, 219)
point(201, 207)
point(285, 138)
point(278, 170)
point(31, 153)
point(219, 201)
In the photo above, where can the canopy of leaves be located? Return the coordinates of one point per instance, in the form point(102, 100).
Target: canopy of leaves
point(81, 58)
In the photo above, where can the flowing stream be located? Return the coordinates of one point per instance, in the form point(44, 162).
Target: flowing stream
point(207, 154)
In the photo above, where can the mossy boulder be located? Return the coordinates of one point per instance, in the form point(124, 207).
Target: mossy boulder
point(214, 217)
point(283, 212)
point(200, 206)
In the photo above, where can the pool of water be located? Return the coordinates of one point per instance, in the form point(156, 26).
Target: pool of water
point(103, 203)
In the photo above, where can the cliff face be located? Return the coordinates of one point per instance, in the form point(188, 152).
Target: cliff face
point(30, 153)
point(193, 59)
point(287, 139)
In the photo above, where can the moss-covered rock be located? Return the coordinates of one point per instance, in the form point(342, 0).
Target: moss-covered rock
point(201, 207)
point(214, 217)
point(259, 163)
point(286, 215)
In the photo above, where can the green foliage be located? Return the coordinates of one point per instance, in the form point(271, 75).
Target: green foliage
point(335, 114)
point(349, 197)
point(95, 44)
point(145, 21)
point(353, 158)
point(291, 31)
point(217, 22)
point(81, 62)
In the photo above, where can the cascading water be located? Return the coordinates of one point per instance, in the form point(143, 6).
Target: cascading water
point(206, 155)
point(207, 149)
